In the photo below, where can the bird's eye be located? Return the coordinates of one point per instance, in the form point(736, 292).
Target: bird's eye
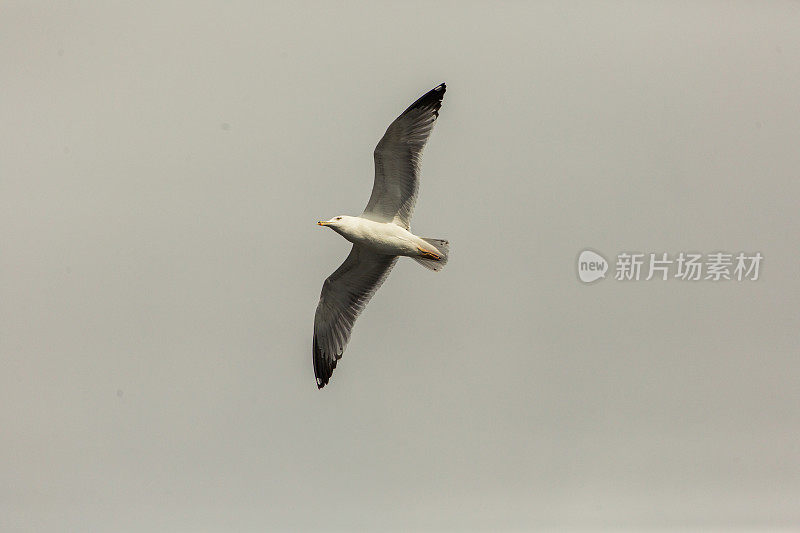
point(338, 218)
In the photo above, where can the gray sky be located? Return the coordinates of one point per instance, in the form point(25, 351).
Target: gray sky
point(161, 169)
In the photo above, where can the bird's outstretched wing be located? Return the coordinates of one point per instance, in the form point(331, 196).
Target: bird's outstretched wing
point(344, 295)
point(397, 160)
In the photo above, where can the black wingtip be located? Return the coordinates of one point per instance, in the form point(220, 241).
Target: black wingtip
point(323, 368)
point(431, 99)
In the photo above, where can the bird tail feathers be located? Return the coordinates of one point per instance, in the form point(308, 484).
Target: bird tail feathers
point(441, 247)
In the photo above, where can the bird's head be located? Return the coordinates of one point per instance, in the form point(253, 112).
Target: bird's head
point(339, 224)
point(335, 221)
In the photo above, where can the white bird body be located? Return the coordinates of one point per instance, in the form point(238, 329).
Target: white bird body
point(383, 237)
point(380, 235)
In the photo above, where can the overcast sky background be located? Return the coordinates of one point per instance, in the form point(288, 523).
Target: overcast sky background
point(162, 166)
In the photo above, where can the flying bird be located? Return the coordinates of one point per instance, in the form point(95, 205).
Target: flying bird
point(379, 235)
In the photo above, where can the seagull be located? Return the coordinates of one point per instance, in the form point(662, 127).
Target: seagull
point(380, 235)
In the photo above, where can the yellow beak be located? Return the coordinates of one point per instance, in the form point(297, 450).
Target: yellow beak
point(321, 223)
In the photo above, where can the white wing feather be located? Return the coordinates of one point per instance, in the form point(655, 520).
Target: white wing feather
point(397, 160)
point(344, 295)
